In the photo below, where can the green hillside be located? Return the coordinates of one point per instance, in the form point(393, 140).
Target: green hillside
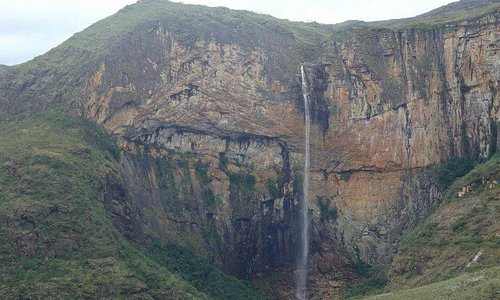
point(455, 253)
point(461, 228)
point(189, 23)
point(477, 285)
point(69, 230)
point(60, 186)
point(453, 12)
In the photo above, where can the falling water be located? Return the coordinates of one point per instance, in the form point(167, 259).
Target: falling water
point(301, 271)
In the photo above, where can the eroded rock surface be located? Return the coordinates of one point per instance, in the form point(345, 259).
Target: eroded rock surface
point(212, 132)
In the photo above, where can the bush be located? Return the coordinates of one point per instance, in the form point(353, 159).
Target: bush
point(374, 279)
point(273, 189)
point(242, 182)
point(201, 170)
point(327, 213)
point(201, 274)
point(446, 173)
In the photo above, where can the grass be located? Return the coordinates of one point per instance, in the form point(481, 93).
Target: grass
point(434, 261)
point(242, 183)
point(443, 246)
point(373, 280)
point(210, 200)
point(188, 23)
point(201, 274)
point(242, 188)
point(272, 187)
point(168, 189)
point(58, 240)
point(483, 284)
point(453, 13)
point(56, 237)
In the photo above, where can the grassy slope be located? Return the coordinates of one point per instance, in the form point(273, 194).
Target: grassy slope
point(478, 285)
point(453, 12)
point(432, 259)
point(441, 247)
point(189, 23)
point(56, 237)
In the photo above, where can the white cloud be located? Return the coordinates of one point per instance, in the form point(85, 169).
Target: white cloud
point(32, 27)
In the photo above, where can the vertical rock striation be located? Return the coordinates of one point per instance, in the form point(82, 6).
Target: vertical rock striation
point(211, 125)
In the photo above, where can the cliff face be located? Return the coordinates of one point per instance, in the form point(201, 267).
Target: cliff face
point(400, 101)
point(212, 129)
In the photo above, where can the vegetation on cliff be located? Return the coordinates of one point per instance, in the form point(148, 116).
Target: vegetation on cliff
point(465, 226)
point(62, 72)
point(60, 192)
point(456, 251)
point(452, 13)
point(67, 227)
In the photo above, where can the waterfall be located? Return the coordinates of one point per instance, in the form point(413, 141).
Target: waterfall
point(301, 270)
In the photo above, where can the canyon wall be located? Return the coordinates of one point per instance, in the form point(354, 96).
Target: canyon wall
point(398, 102)
point(212, 131)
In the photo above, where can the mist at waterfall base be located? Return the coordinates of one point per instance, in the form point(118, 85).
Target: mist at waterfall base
point(302, 260)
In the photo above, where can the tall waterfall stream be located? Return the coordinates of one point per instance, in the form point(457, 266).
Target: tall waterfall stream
point(302, 261)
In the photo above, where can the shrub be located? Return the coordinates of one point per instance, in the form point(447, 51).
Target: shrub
point(242, 182)
point(373, 281)
point(446, 173)
point(272, 187)
point(327, 213)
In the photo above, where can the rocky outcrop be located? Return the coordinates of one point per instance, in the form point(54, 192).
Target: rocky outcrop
point(400, 102)
point(212, 129)
point(230, 197)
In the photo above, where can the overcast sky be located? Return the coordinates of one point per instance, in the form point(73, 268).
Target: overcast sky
point(32, 27)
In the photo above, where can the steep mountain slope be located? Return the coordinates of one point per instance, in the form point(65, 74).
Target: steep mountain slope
point(206, 103)
point(67, 229)
point(441, 257)
point(453, 12)
point(458, 239)
point(461, 236)
point(167, 24)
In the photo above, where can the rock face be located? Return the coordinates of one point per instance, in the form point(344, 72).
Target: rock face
point(212, 129)
point(399, 102)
